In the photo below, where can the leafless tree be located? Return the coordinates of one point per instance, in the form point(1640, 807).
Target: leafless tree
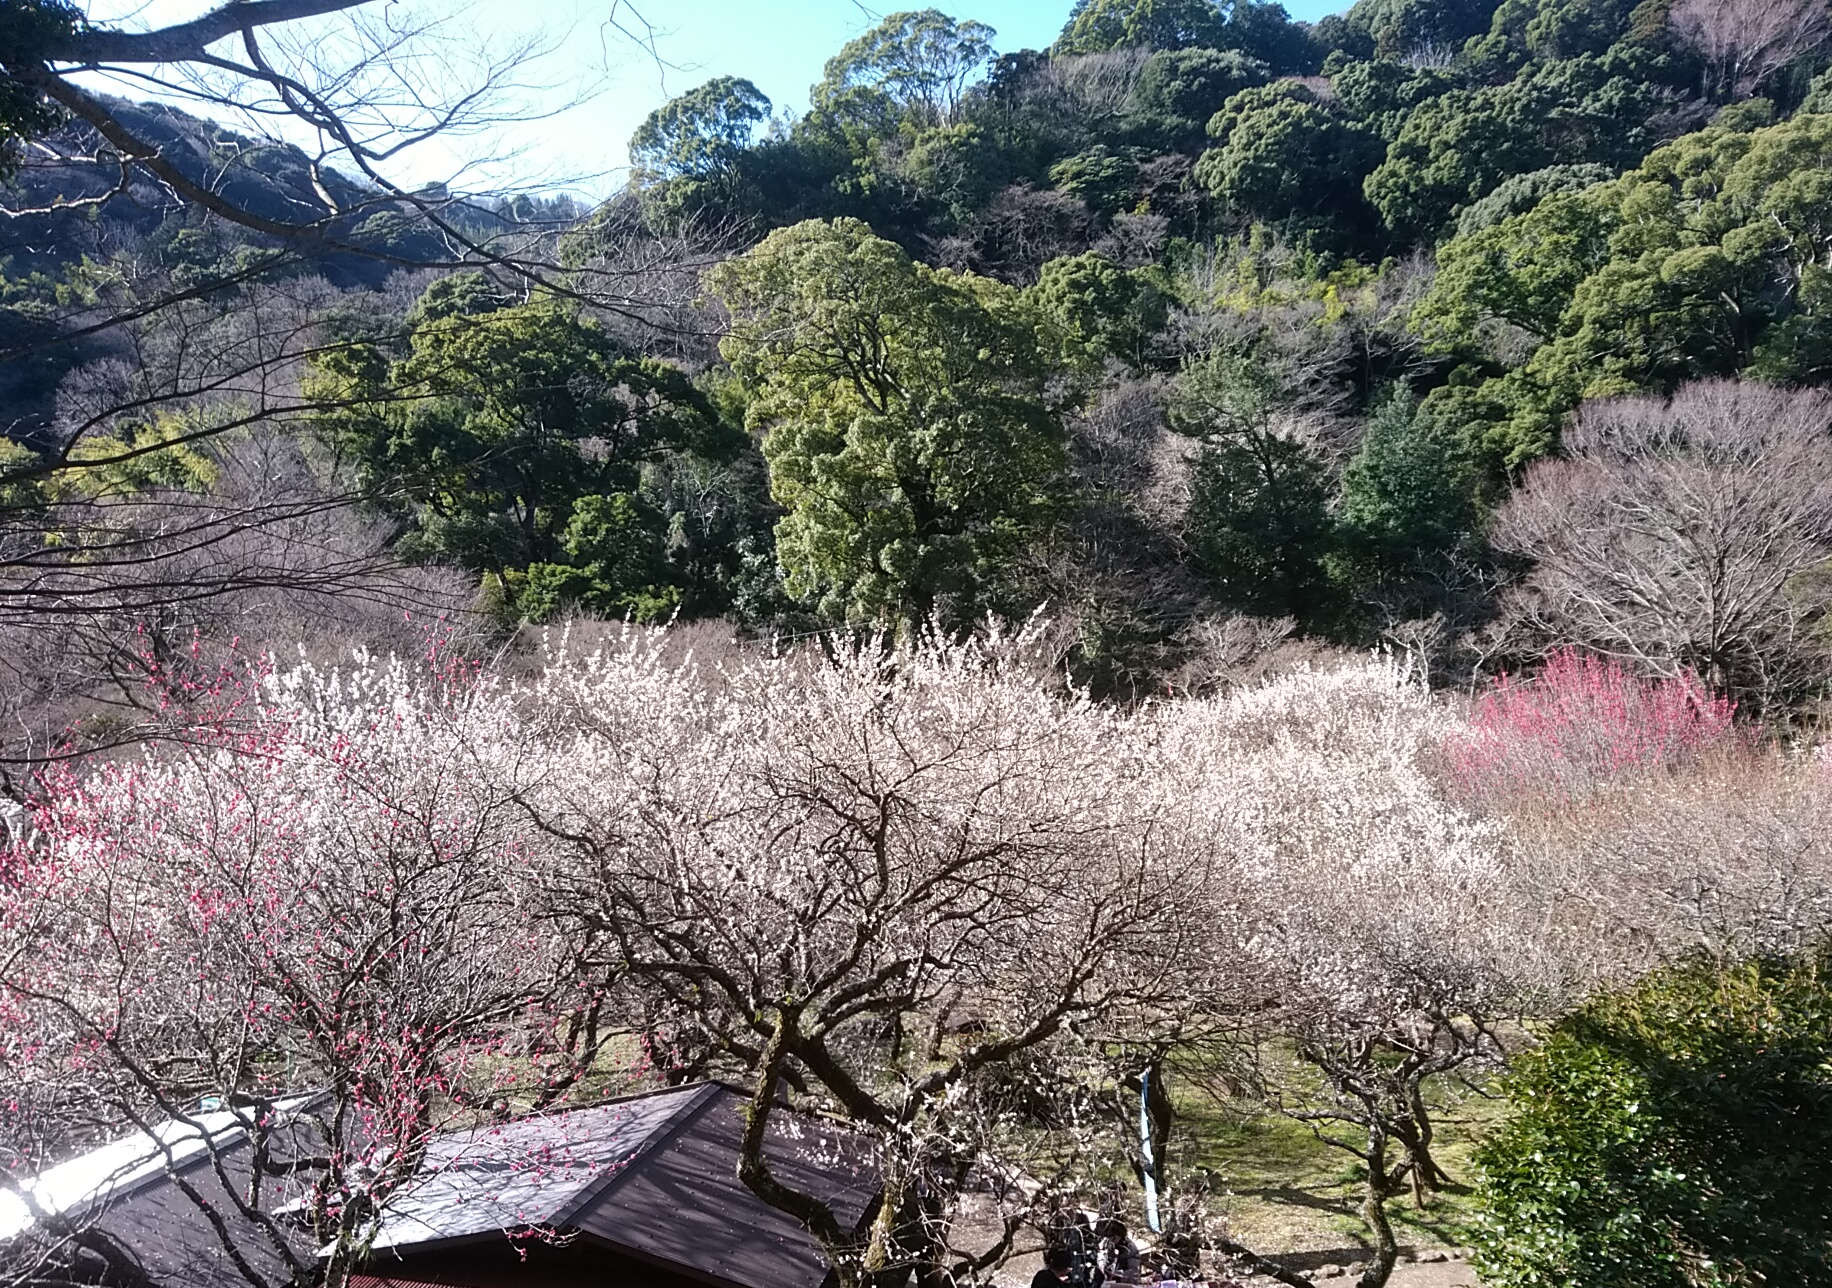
point(1136, 241)
point(1431, 54)
point(174, 511)
point(363, 83)
point(363, 86)
point(1127, 614)
point(1322, 354)
point(1118, 587)
point(1685, 534)
point(1019, 231)
point(1094, 87)
point(118, 593)
point(662, 309)
point(1727, 856)
point(1744, 42)
point(99, 546)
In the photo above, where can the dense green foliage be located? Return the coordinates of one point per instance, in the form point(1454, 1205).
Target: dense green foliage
point(1284, 156)
point(518, 436)
point(1707, 259)
point(700, 134)
point(1183, 88)
point(1678, 1135)
point(1406, 494)
point(1099, 309)
point(1200, 312)
point(1257, 29)
point(907, 422)
point(913, 66)
point(1259, 520)
point(1179, 205)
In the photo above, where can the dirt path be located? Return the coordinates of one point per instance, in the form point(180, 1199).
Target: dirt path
point(1453, 1272)
point(1325, 1262)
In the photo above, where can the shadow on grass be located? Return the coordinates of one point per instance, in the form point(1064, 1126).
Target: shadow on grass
point(1300, 1198)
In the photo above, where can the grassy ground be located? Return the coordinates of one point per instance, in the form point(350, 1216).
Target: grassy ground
point(1286, 1194)
point(1283, 1190)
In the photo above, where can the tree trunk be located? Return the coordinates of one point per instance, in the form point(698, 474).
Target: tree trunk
point(754, 1167)
point(895, 1026)
point(1374, 1212)
point(1416, 1136)
point(1160, 1113)
point(894, 1230)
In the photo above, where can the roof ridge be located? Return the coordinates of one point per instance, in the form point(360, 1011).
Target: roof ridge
point(596, 1188)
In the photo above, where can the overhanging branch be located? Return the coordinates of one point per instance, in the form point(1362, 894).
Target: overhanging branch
point(185, 40)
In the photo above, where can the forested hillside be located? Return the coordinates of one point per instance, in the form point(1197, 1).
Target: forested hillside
point(1201, 330)
point(1194, 606)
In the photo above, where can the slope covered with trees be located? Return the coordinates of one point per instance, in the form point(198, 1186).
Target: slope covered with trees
point(1202, 314)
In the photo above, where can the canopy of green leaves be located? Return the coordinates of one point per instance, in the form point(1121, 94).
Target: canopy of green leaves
point(908, 422)
point(514, 437)
point(1406, 493)
point(1283, 155)
point(1260, 30)
point(1185, 87)
point(1709, 259)
point(701, 133)
point(1400, 28)
point(915, 65)
point(1100, 309)
point(1259, 516)
point(1456, 148)
point(1096, 26)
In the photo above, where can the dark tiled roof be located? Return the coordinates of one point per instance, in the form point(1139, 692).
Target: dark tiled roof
point(646, 1184)
point(129, 1197)
point(681, 1204)
point(529, 1172)
point(652, 1180)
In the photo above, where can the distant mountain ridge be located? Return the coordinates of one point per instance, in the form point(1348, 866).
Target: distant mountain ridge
point(272, 181)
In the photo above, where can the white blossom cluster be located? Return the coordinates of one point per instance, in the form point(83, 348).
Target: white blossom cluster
point(908, 884)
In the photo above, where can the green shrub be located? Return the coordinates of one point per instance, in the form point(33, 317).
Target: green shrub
point(1678, 1134)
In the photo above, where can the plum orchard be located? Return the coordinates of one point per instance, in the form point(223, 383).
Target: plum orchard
point(912, 886)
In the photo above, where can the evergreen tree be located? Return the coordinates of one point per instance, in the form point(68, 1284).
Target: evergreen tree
point(1405, 494)
point(1259, 524)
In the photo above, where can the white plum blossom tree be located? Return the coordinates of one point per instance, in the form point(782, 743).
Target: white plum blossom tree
point(1381, 924)
point(805, 861)
point(912, 886)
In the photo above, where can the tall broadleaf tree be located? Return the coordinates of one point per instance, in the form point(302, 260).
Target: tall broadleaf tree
point(908, 420)
point(701, 133)
point(516, 435)
point(1258, 29)
point(917, 65)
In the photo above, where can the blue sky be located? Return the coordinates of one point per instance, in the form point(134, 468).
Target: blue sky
point(779, 46)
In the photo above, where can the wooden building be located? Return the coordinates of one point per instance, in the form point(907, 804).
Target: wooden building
point(641, 1190)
